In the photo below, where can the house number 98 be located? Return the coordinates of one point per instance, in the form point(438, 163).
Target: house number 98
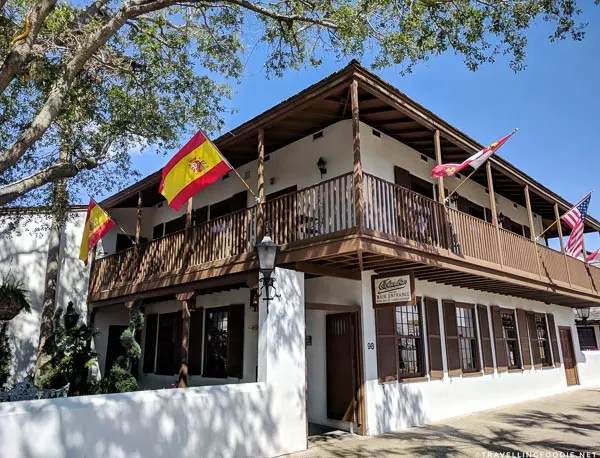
point(370, 346)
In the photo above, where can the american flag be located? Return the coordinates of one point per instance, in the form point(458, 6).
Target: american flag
point(575, 218)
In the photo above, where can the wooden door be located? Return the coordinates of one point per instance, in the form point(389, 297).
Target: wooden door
point(341, 368)
point(566, 343)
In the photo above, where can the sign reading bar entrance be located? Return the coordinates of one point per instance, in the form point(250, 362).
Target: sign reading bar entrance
point(391, 290)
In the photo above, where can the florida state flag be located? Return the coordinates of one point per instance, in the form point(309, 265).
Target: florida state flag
point(97, 224)
point(475, 161)
point(198, 164)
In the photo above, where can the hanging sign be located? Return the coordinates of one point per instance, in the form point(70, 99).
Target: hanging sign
point(390, 290)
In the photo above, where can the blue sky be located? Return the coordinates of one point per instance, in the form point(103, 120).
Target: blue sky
point(554, 102)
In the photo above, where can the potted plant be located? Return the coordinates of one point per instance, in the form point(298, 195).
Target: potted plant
point(13, 298)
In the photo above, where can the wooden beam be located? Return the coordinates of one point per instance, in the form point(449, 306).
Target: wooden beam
point(138, 220)
point(260, 177)
point(331, 307)
point(358, 172)
point(438, 159)
point(490, 182)
point(327, 271)
point(189, 212)
point(187, 302)
point(532, 229)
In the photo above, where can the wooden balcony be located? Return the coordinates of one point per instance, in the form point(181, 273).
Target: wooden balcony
point(401, 229)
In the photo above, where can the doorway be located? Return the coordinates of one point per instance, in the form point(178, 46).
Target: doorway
point(334, 369)
point(566, 344)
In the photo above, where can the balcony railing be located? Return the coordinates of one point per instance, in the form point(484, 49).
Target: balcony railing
point(327, 208)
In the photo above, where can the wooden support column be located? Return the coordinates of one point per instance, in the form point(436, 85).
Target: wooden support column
point(532, 228)
point(438, 158)
point(560, 236)
point(187, 302)
point(488, 170)
point(189, 212)
point(138, 221)
point(357, 170)
point(260, 177)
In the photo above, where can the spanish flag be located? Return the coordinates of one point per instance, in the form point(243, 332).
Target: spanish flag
point(97, 224)
point(198, 164)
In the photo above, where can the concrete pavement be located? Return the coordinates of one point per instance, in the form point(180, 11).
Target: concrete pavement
point(569, 422)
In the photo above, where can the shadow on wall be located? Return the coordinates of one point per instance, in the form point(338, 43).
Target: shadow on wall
point(207, 422)
point(399, 407)
point(23, 253)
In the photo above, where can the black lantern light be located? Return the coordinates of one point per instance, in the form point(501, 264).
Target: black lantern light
point(71, 316)
point(321, 166)
point(267, 251)
point(582, 314)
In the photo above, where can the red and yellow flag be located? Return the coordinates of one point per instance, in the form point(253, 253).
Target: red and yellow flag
point(198, 164)
point(97, 224)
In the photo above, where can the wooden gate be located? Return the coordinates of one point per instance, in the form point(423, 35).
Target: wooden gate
point(566, 343)
point(341, 367)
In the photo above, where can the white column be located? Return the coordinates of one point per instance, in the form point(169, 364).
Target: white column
point(369, 349)
point(281, 357)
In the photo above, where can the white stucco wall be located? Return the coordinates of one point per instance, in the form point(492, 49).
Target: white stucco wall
point(380, 154)
point(23, 254)
point(393, 406)
point(261, 419)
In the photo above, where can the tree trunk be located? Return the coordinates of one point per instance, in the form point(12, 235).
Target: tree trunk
point(59, 218)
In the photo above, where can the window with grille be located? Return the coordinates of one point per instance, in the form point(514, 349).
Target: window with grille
point(542, 336)
point(587, 338)
point(467, 338)
point(509, 329)
point(408, 330)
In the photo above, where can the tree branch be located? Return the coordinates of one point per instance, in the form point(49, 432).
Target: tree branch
point(17, 56)
point(49, 174)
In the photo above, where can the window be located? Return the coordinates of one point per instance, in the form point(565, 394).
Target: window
point(224, 342)
point(587, 338)
point(408, 331)
point(509, 330)
point(467, 338)
point(175, 225)
point(168, 355)
point(542, 339)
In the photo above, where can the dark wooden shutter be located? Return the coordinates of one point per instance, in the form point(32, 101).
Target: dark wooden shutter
point(436, 367)
point(200, 215)
point(488, 215)
point(402, 177)
point(524, 338)
point(526, 232)
point(150, 343)
point(553, 340)
point(462, 205)
point(450, 328)
point(158, 231)
point(195, 343)
point(499, 341)
point(114, 348)
point(177, 331)
point(486, 341)
point(175, 225)
point(387, 348)
point(533, 339)
point(235, 341)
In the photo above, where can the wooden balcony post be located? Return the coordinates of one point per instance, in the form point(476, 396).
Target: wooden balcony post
point(138, 221)
point(187, 302)
point(438, 158)
point(531, 228)
point(189, 212)
point(260, 177)
point(560, 237)
point(490, 181)
point(357, 169)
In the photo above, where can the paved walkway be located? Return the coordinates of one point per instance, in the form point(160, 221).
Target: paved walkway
point(569, 422)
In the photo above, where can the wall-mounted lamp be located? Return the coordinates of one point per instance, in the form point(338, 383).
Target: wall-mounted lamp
point(582, 314)
point(267, 251)
point(254, 300)
point(321, 165)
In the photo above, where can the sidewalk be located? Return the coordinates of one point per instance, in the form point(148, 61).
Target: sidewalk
point(567, 423)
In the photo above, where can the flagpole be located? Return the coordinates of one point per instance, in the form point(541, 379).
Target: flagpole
point(234, 170)
point(515, 130)
point(558, 219)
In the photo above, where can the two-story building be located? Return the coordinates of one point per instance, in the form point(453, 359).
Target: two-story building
point(396, 307)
